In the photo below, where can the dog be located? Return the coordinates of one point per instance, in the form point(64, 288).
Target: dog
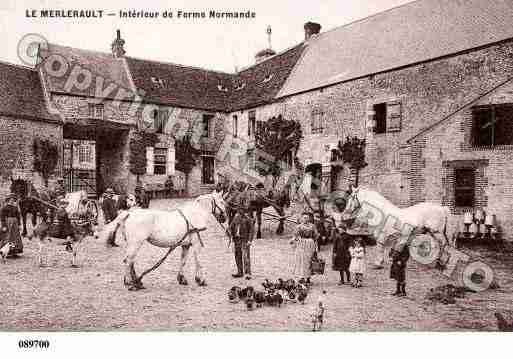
point(4, 251)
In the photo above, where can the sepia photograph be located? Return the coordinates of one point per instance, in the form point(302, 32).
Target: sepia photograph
point(243, 166)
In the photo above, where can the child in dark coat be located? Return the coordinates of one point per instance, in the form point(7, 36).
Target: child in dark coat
point(400, 255)
point(341, 258)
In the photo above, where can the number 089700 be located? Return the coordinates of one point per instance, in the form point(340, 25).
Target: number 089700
point(33, 344)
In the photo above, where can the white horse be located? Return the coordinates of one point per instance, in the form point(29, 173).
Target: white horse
point(389, 223)
point(166, 229)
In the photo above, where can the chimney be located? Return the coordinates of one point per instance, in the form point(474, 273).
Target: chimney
point(117, 45)
point(311, 28)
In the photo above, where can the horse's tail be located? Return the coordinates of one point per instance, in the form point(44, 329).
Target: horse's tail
point(108, 232)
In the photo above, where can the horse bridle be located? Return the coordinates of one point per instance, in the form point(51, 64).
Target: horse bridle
point(215, 207)
point(358, 204)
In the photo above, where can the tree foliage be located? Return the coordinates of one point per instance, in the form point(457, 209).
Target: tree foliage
point(186, 155)
point(46, 157)
point(352, 153)
point(139, 140)
point(274, 139)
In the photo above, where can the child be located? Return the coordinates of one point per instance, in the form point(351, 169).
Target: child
point(10, 218)
point(357, 266)
point(341, 257)
point(319, 311)
point(400, 255)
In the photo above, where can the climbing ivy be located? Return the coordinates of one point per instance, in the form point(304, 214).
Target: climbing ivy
point(46, 157)
point(274, 139)
point(138, 142)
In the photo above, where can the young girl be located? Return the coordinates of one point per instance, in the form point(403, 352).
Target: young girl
point(305, 241)
point(357, 266)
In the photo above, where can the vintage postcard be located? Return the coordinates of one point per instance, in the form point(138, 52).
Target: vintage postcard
point(244, 166)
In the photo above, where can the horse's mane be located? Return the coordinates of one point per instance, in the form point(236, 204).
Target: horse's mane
point(374, 195)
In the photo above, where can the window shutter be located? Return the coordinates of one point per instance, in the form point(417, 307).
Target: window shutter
point(393, 116)
point(170, 165)
point(149, 160)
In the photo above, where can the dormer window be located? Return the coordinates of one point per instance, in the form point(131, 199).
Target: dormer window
point(240, 86)
point(268, 78)
point(222, 88)
point(157, 81)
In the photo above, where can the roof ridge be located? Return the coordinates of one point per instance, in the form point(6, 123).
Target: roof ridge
point(270, 57)
point(25, 67)
point(368, 17)
point(181, 65)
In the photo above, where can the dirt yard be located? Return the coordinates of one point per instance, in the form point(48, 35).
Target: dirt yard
point(93, 298)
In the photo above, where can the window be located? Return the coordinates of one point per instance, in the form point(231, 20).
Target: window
point(207, 173)
point(158, 82)
point(159, 161)
point(492, 125)
point(207, 119)
point(84, 153)
point(235, 125)
point(251, 123)
point(387, 117)
point(317, 121)
point(380, 117)
point(464, 187)
point(96, 111)
point(159, 120)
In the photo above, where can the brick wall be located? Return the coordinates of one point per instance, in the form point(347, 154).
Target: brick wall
point(16, 153)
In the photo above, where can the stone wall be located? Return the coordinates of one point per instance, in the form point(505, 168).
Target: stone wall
point(16, 153)
point(447, 146)
point(427, 93)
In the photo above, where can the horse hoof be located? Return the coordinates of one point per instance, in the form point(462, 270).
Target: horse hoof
point(181, 280)
point(200, 282)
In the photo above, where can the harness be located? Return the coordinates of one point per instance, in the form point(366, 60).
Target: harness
point(190, 230)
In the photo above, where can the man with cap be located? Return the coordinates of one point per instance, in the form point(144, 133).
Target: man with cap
point(10, 219)
point(109, 211)
point(242, 228)
point(59, 189)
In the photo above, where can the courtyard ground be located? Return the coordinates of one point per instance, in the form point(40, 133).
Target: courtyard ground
point(93, 298)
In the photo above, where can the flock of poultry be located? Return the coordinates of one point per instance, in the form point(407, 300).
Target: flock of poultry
point(273, 293)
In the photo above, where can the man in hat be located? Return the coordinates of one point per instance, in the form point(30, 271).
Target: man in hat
point(169, 186)
point(109, 211)
point(59, 190)
point(10, 219)
point(242, 228)
point(141, 196)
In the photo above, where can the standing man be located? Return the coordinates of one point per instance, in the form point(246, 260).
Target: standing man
point(109, 212)
point(59, 189)
point(170, 186)
point(141, 197)
point(242, 228)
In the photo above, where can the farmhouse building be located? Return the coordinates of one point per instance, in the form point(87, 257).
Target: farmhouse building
point(428, 85)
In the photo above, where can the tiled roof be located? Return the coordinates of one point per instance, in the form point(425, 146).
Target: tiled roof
point(408, 34)
point(21, 93)
point(261, 83)
point(181, 85)
point(98, 63)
